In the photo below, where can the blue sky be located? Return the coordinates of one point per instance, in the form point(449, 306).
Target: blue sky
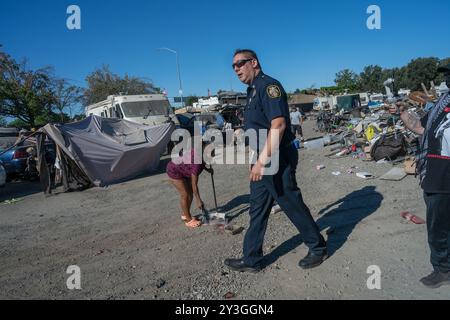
point(301, 43)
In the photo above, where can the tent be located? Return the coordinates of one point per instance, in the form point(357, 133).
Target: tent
point(102, 151)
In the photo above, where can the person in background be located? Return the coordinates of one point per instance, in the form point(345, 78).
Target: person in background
point(296, 123)
point(433, 167)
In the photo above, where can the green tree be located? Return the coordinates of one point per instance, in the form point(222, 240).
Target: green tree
point(333, 90)
point(422, 70)
point(440, 77)
point(347, 79)
point(102, 83)
point(24, 93)
point(17, 123)
point(371, 78)
point(3, 122)
point(67, 97)
point(190, 100)
point(400, 76)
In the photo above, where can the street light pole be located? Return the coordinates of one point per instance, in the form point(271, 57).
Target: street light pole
point(178, 71)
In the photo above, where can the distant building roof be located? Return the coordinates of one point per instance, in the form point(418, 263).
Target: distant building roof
point(231, 93)
point(301, 98)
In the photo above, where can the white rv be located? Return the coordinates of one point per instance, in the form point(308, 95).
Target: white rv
point(364, 98)
point(148, 109)
point(324, 103)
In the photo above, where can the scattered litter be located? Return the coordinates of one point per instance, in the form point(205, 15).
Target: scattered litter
point(219, 228)
point(365, 175)
point(395, 174)
point(275, 209)
point(217, 215)
point(411, 217)
point(382, 161)
point(99, 253)
point(320, 167)
point(160, 283)
point(342, 153)
point(215, 219)
point(410, 166)
point(229, 295)
point(234, 230)
point(12, 201)
point(336, 173)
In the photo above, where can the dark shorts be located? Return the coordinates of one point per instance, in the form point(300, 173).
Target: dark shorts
point(297, 128)
point(183, 171)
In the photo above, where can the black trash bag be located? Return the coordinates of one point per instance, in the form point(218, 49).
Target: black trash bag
point(389, 147)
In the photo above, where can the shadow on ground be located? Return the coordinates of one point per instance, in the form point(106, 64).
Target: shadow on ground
point(19, 189)
point(340, 222)
point(234, 208)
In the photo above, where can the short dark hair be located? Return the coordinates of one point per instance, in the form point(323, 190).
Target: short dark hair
point(249, 52)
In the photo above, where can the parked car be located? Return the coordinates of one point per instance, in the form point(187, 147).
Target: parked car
point(210, 120)
point(15, 160)
point(2, 176)
point(20, 162)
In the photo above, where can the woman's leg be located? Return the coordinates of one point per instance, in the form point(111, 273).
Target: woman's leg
point(188, 185)
point(185, 197)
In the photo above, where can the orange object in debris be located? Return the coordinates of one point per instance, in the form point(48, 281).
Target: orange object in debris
point(411, 217)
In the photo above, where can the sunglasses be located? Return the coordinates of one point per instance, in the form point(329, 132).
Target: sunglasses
point(240, 63)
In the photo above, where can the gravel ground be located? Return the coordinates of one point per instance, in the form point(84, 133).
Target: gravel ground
point(130, 243)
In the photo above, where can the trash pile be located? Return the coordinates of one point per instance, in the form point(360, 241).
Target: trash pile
point(372, 133)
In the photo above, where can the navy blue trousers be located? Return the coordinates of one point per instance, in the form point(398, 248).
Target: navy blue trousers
point(283, 188)
point(438, 227)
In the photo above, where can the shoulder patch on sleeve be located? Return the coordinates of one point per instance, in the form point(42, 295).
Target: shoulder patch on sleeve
point(273, 91)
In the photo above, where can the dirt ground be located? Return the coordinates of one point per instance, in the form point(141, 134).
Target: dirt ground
point(130, 243)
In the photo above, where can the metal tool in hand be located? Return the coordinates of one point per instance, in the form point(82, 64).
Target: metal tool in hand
point(213, 187)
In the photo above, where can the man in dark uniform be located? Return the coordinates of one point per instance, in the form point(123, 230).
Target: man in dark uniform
point(267, 109)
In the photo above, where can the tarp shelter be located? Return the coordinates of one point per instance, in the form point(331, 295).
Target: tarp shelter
point(348, 103)
point(103, 151)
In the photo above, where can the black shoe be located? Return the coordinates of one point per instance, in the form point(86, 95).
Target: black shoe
point(436, 279)
point(239, 265)
point(312, 260)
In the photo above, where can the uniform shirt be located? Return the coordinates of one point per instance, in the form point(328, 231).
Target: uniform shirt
point(437, 177)
point(266, 101)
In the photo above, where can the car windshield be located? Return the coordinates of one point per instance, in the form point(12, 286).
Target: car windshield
point(146, 108)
